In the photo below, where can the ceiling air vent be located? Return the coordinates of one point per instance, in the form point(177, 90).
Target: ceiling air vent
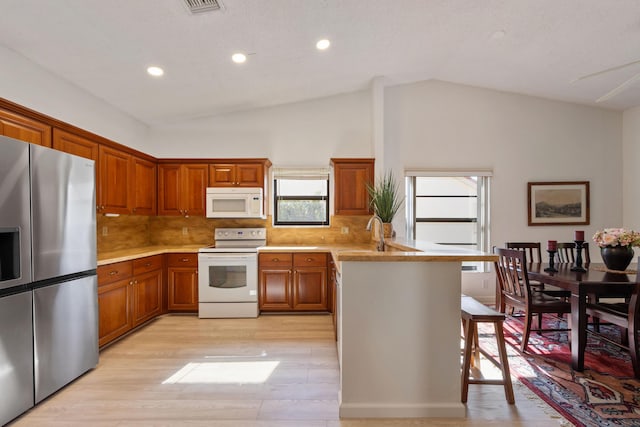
point(197, 6)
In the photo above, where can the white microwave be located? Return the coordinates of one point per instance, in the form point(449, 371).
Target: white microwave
point(243, 202)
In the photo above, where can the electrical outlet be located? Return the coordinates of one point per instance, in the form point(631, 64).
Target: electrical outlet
point(185, 231)
point(344, 230)
point(105, 231)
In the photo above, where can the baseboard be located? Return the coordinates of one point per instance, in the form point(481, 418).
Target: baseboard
point(398, 410)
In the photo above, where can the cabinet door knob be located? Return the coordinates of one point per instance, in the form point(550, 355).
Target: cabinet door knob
point(185, 259)
point(309, 259)
point(147, 264)
point(113, 272)
point(275, 259)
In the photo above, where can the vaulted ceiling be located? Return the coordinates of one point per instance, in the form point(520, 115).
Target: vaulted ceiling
point(535, 47)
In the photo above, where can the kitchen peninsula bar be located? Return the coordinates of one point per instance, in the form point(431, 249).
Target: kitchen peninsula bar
point(399, 331)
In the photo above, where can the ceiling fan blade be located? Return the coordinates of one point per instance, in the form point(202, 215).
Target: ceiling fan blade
point(605, 71)
point(618, 89)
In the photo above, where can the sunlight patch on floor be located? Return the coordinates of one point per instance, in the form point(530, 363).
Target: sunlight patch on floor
point(223, 373)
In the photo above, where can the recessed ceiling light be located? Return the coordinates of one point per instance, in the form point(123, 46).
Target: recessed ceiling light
point(323, 44)
point(239, 58)
point(155, 71)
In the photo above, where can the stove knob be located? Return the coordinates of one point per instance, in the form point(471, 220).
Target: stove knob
point(253, 233)
point(226, 233)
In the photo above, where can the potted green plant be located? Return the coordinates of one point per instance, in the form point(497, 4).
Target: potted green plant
point(385, 200)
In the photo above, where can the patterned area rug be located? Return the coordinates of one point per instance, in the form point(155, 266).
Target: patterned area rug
point(605, 394)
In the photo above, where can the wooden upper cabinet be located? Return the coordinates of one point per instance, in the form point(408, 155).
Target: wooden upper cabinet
point(74, 144)
point(114, 181)
point(181, 189)
point(195, 179)
point(241, 174)
point(351, 177)
point(144, 187)
point(24, 128)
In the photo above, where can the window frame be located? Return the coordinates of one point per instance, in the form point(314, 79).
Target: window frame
point(276, 198)
point(482, 220)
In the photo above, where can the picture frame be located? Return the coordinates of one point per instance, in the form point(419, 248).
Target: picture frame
point(558, 203)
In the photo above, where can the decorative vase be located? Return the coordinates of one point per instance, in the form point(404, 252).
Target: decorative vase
point(617, 257)
point(388, 230)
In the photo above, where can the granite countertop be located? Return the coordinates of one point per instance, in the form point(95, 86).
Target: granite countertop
point(398, 250)
point(134, 253)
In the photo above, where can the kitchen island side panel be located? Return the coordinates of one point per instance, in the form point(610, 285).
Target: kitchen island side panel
point(400, 342)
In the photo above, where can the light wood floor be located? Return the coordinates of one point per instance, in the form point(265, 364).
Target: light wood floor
point(147, 379)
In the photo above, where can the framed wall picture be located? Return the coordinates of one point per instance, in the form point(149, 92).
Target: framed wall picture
point(558, 203)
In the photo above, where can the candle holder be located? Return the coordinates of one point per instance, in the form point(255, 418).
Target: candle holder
point(578, 264)
point(551, 268)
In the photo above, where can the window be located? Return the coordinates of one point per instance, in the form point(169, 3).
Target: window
point(450, 209)
point(301, 196)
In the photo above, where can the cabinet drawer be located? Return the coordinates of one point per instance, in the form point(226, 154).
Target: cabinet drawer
point(182, 260)
point(282, 260)
point(112, 272)
point(146, 264)
point(308, 259)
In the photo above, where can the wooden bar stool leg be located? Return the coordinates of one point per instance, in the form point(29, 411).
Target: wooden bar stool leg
point(475, 362)
point(466, 363)
point(504, 363)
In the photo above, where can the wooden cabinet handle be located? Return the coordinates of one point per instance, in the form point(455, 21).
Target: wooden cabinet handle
point(113, 272)
point(309, 259)
point(275, 259)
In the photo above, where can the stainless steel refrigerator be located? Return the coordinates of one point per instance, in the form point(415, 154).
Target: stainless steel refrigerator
point(48, 283)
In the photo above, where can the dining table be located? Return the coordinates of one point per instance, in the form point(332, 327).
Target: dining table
point(594, 281)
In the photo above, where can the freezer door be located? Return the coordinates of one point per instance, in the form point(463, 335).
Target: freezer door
point(15, 227)
point(16, 356)
point(63, 213)
point(65, 333)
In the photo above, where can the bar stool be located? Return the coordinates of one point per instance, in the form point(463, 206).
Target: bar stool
point(474, 312)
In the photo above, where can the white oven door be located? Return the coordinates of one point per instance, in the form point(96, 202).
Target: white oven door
point(228, 277)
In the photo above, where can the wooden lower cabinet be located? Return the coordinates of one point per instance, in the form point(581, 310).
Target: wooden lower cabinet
point(332, 297)
point(147, 297)
point(310, 281)
point(129, 294)
point(292, 281)
point(182, 278)
point(115, 310)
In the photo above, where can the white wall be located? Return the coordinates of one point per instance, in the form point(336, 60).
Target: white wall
point(441, 125)
point(25, 83)
point(304, 133)
point(631, 168)
point(428, 124)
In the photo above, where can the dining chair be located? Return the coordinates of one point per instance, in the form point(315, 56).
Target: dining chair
point(517, 293)
point(627, 316)
point(567, 252)
point(534, 254)
point(532, 249)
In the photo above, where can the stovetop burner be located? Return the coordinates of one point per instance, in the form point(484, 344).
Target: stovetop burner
point(237, 240)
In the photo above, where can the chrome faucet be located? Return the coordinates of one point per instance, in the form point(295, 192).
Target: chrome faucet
point(380, 245)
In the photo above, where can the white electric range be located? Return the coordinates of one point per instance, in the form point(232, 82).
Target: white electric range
point(228, 273)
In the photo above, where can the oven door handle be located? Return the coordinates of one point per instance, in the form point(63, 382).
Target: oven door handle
point(228, 257)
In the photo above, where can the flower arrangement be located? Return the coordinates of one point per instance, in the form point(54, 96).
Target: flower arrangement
point(616, 237)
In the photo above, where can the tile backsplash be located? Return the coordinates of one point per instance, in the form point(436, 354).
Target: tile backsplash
point(131, 231)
